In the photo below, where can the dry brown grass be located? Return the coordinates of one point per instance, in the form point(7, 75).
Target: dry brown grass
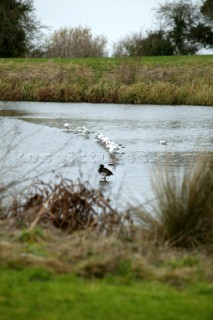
point(90, 254)
point(193, 93)
point(69, 206)
point(133, 72)
point(47, 72)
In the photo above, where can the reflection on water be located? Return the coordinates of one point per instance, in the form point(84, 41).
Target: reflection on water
point(105, 185)
point(12, 113)
point(41, 145)
point(175, 124)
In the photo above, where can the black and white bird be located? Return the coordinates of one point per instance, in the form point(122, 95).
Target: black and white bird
point(104, 171)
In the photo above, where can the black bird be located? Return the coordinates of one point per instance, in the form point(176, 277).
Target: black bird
point(104, 171)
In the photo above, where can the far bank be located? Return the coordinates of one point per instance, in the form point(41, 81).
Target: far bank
point(172, 80)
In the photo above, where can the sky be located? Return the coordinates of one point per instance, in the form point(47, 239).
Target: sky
point(113, 18)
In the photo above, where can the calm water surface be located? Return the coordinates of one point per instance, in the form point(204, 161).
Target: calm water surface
point(35, 141)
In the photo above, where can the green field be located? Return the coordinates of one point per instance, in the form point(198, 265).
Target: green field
point(38, 294)
point(48, 274)
point(147, 80)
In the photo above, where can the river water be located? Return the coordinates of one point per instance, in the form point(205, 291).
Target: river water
point(35, 143)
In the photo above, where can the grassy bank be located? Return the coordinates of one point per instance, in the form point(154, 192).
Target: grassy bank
point(65, 251)
point(177, 80)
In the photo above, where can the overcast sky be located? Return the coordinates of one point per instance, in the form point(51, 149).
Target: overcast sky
point(112, 18)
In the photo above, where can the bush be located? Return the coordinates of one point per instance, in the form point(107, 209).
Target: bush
point(75, 43)
point(67, 205)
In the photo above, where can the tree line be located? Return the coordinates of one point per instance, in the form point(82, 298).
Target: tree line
point(183, 28)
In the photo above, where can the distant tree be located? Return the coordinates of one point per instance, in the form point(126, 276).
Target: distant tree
point(75, 42)
point(203, 35)
point(203, 32)
point(155, 43)
point(129, 46)
point(177, 17)
point(18, 27)
point(207, 9)
point(185, 27)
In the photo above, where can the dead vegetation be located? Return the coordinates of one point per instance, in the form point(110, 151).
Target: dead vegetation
point(134, 72)
point(182, 215)
point(49, 71)
point(68, 205)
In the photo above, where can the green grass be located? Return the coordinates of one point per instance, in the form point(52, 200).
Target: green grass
point(35, 293)
point(146, 80)
point(153, 59)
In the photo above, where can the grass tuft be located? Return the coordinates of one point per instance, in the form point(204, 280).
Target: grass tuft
point(183, 211)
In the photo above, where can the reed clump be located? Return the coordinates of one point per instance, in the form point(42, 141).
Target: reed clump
point(103, 93)
point(183, 212)
point(160, 93)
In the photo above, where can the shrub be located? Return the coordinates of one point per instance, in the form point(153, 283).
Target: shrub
point(67, 205)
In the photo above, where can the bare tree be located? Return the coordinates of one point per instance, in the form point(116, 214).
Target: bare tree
point(131, 45)
point(75, 42)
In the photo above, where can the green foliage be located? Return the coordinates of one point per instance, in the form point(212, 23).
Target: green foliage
point(185, 261)
point(202, 34)
point(157, 43)
point(31, 236)
point(37, 274)
point(207, 9)
point(17, 27)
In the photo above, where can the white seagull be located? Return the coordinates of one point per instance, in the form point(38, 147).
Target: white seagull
point(86, 131)
point(162, 142)
point(67, 126)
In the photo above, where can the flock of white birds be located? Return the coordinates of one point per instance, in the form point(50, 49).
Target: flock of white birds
point(77, 130)
point(112, 146)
